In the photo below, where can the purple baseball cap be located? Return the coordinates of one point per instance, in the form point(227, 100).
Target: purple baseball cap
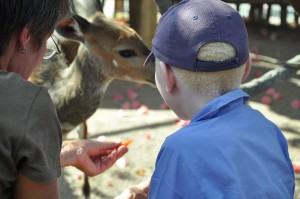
point(189, 25)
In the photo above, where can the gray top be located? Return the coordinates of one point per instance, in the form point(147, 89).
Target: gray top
point(30, 139)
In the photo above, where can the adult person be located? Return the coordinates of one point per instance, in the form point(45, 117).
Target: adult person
point(31, 148)
point(229, 150)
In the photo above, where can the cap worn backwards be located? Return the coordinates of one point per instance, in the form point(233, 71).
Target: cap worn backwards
point(189, 25)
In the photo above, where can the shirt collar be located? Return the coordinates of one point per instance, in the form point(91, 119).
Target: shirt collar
point(222, 105)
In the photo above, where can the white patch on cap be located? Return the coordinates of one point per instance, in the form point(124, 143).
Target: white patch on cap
point(216, 51)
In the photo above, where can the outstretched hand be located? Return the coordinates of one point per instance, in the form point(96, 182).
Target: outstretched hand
point(90, 156)
point(139, 191)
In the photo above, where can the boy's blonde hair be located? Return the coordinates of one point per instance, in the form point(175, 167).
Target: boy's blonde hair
point(213, 83)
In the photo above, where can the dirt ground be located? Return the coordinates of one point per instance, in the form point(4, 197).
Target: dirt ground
point(149, 128)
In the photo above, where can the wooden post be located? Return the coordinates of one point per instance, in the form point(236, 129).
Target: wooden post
point(283, 15)
point(143, 19)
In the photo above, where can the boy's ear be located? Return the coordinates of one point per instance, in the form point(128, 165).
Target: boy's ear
point(247, 69)
point(23, 37)
point(169, 76)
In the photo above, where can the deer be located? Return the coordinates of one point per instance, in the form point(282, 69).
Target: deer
point(95, 51)
point(107, 51)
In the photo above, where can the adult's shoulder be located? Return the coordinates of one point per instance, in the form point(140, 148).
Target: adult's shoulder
point(14, 86)
point(18, 94)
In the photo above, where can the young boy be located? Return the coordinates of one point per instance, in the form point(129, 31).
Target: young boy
point(228, 150)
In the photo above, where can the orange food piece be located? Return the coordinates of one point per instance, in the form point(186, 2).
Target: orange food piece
point(127, 142)
point(296, 167)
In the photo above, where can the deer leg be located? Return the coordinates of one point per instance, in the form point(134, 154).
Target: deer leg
point(86, 189)
point(86, 186)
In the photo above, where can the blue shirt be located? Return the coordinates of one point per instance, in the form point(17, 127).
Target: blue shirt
point(230, 151)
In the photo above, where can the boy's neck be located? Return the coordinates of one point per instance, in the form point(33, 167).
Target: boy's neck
point(191, 103)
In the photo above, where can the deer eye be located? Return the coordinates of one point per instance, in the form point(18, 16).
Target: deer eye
point(127, 53)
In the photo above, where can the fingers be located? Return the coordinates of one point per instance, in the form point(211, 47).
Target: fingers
point(96, 157)
point(133, 192)
point(108, 161)
point(100, 164)
point(121, 151)
point(95, 148)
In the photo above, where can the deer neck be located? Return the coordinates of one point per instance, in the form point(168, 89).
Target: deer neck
point(85, 84)
point(92, 72)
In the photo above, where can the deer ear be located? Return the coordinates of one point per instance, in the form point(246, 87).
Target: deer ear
point(73, 28)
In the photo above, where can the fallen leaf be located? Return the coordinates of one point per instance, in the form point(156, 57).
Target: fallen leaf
point(110, 184)
point(141, 172)
point(131, 93)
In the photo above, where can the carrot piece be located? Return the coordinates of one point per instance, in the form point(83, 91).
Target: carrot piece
point(127, 142)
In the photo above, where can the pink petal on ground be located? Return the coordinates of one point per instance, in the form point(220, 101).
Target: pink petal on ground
point(131, 93)
point(78, 176)
point(143, 110)
point(266, 100)
point(295, 104)
point(182, 123)
point(135, 104)
point(256, 58)
point(148, 136)
point(270, 91)
point(258, 74)
point(118, 97)
point(277, 96)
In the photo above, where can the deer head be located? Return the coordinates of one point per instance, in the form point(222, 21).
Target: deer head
point(118, 47)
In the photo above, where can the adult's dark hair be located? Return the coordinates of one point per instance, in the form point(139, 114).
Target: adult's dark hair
point(39, 15)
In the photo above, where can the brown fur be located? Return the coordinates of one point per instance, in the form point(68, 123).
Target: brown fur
point(78, 88)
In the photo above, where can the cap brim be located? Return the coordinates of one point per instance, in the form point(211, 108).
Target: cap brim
point(149, 58)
